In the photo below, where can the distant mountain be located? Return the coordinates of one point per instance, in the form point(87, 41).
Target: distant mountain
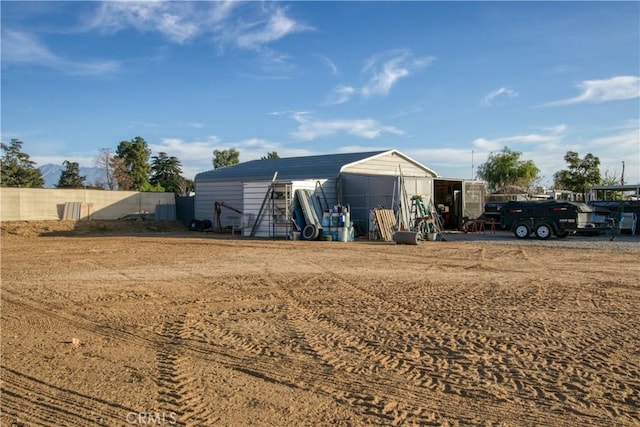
point(51, 174)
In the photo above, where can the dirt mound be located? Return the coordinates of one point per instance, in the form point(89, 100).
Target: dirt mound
point(94, 227)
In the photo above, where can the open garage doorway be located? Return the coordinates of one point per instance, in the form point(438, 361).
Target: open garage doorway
point(457, 201)
point(447, 197)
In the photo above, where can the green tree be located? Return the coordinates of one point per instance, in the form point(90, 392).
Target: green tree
point(505, 169)
point(271, 155)
point(222, 158)
point(16, 167)
point(167, 172)
point(132, 165)
point(580, 173)
point(70, 176)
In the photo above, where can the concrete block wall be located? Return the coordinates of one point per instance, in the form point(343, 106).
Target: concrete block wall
point(38, 204)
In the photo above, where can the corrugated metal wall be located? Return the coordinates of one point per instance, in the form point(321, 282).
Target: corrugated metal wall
point(207, 193)
point(185, 209)
point(363, 193)
point(165, 212)
point(254, 194)
point(363, 186)
point(473, 202)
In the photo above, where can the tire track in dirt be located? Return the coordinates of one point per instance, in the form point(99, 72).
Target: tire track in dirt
point(179, 390)
point(351, 360)
point(405, 374)
point(317, 370)
point(27, 400)
point(26, 397)
point(512, 384)
point(81, 321)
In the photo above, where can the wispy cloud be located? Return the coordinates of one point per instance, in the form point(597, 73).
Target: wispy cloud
point(181, 22)
point(177, 21)
point(625, 140)
point(408, 111)
point(387, 68)
point(310, 128)
point(554, 136)
point(558, 129)
point(274, 26)
point(503, 91)
point(442, 157)
point(596, 91)
point(26, 49)
point(340, 95)
point(329, 62)
point(382, 72)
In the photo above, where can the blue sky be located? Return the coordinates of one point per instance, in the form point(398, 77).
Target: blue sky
point(446, 83)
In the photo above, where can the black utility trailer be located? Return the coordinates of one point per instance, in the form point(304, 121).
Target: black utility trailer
point(547, 217)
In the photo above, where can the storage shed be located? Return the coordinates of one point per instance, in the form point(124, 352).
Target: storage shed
point(362, 181)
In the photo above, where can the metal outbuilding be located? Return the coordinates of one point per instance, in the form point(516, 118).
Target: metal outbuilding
point(361, 181)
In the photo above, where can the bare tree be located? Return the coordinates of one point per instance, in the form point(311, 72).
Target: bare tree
point(105, 162)
point(121, 174)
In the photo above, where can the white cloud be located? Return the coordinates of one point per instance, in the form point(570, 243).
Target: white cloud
point(340, 95)
point(449, 157)
point(274, 26)
point(174, 20)
point(488, 99)
point(382, 71)
point(187, 151)
point(181, 22)
point(615, 145)
point(595, 91)
point(408, 111)
point(555, 135)
point(22, 48)
point(334, 68)
point(197, 156)
point(547, 150)
point(387, 68)
point(310, 128)
point(562, 128)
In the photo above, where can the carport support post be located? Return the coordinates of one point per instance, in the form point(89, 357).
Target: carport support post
point(264, 202)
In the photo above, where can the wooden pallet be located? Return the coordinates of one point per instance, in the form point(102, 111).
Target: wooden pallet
point(385, 221)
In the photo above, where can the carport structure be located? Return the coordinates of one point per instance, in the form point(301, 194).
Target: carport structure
point(362, 181)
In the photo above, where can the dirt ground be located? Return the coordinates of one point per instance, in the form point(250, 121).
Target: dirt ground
point(145, 323)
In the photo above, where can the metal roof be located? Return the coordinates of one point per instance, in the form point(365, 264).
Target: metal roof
point(625, 187)
point(289, 168)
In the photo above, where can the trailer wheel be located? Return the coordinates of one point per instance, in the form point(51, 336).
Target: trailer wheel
point(543, 231)
point(522, 231)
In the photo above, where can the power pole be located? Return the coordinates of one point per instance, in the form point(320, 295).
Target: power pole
point(472, 164)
